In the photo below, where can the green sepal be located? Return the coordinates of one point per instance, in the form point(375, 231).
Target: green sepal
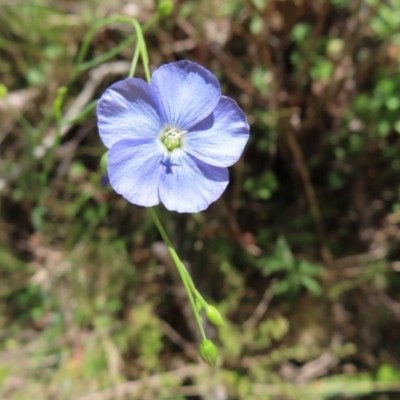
point(103, 163)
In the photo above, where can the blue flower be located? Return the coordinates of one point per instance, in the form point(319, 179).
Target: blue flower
point(172, 140)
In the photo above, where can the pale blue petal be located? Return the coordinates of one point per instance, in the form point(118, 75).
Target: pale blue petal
point(189, 185)
point(219, 139)
point(187, 92)
point(134, 170)
point(128, 109)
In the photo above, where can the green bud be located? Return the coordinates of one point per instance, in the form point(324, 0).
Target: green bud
point(103, 163)
point(62, 90)
point(165, 7)
point(208, 352)
point(335, 47)
point(214, 316)
point(3, 91)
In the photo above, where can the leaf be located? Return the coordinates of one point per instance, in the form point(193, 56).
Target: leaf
point(311, 285)
point(284, 254)
point(308, 268)
point(281, 287)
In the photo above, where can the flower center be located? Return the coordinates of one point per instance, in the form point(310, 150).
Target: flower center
point(172, 138)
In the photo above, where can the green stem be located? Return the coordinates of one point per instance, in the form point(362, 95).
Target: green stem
point(185, 276)
point(195, 292)
point(135, 60)
point(200, 299)
point(82, 66)
point(181, 269)
point(85, 110)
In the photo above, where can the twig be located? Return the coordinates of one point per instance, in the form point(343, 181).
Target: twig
point(358, 259)
point(175, 337)
point(261, 307)
point(133, 388)
point(96, 76)
point(235, 230)
point(310, 193)
point(13, 106)
point(392, 305)
point(316, 368)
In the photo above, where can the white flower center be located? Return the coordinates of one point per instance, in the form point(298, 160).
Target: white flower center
point(172, 138)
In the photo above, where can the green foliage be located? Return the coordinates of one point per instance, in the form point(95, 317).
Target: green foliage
point(298, 274)
point(165, 7)
point(85, 304)
point(256, 24)
point(145, 336)
point(263, 187)
point(387, 19)
point(3, 91)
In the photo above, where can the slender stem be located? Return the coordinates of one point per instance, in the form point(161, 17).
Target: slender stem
point(181, 269)
point(145, 57)
point(200, 299)
point(195, 292)
point(82, 66)
point(186, 278)
point(135, 60)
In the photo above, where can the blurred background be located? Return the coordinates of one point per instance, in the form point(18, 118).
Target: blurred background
point(301, 254)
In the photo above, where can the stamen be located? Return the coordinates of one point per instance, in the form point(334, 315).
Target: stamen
point(172, 138)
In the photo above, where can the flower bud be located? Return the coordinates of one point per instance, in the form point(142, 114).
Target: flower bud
point(3, 91)
point(165, 7)
point(103, 163)
point(214, 316)
point(208, 352)
point(103, 170)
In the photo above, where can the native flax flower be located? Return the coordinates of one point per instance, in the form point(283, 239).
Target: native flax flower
point(172, 140)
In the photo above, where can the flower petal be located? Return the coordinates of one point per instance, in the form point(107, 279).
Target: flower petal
point(189, 185)
point(219, 139)
point(134, 169)
point(128, 109)
point(187, 91)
